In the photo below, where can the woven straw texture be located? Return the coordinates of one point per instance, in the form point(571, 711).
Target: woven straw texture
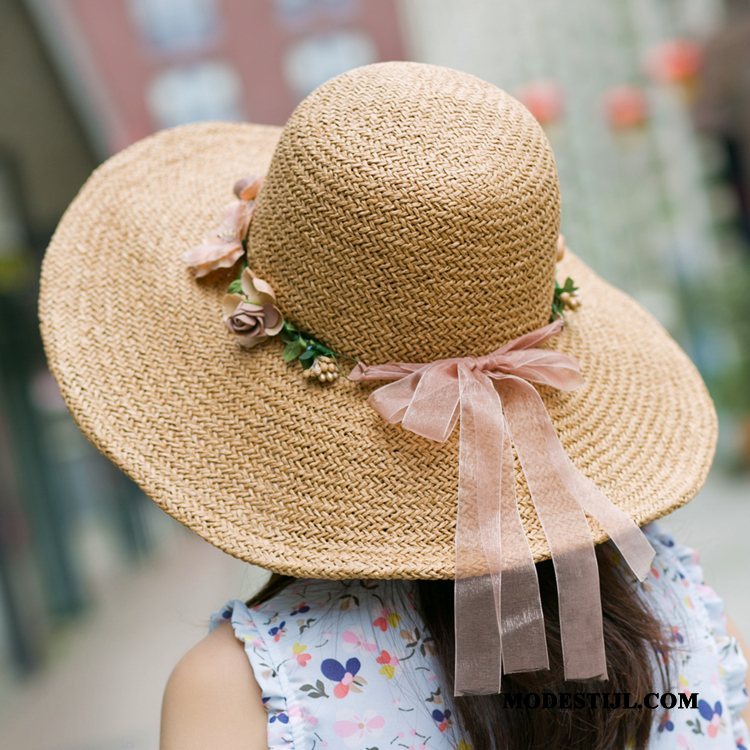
point(409, 212)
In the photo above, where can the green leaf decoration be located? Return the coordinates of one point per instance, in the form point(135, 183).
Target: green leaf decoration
point(569, 286)
point(293, 349)
point(235, 287)
point(288, 332)
point(308, 357)
point(310, 346)
point(558, 308)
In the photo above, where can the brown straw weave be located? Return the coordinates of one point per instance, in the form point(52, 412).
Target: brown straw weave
point(410, 212)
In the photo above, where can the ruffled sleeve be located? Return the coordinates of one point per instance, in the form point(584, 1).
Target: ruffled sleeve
point(280, 729)
point(732, 664)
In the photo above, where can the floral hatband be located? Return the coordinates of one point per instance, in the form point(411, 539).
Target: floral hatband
point(249, 308)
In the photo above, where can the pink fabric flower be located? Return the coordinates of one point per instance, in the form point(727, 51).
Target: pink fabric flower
point(223, 247)
point(247, 188)
point(252, 315)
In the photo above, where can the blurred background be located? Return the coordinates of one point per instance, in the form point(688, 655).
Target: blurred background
point(647, 106)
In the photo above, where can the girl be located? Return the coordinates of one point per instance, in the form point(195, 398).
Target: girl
point(385, 379)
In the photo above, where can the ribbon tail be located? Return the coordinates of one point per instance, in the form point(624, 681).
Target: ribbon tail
point(498, 628)
point(633, 544)
point(478, 665)
point(552, 488)
point(523, 632)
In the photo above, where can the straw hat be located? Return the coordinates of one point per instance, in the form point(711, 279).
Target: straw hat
point(409, 212)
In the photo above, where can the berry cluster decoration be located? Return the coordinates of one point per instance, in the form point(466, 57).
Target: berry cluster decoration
point(565, 296)
point(317, 360)
point(323, 368)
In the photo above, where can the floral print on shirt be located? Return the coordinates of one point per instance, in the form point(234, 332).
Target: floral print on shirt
point(350, 664)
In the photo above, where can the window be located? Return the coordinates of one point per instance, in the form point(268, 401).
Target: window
point(171, 26)
point(317, 58)
point(296, 13)
point(201, 91)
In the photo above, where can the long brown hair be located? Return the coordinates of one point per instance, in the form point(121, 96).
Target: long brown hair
point(633, 637)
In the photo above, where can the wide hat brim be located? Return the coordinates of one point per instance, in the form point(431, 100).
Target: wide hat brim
point(280, 471)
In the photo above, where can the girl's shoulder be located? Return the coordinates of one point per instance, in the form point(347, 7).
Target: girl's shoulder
point(211, 698)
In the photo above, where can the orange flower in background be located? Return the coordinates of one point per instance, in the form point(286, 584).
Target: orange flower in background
point(625, 107)
point(544, 99)
point(674, 61)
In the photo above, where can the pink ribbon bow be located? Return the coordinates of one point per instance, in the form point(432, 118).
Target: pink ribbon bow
point(497, 405)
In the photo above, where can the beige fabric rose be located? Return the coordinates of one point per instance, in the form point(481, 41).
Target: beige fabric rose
point(252, 315)
point(222, 248)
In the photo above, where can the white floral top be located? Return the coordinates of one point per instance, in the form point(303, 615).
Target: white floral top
point(350, 664)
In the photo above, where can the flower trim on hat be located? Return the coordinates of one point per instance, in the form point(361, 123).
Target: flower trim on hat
point(223, 247)
point(565, 297)
point(249, 308)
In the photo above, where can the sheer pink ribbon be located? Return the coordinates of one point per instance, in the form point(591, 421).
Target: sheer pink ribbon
point(498, 406)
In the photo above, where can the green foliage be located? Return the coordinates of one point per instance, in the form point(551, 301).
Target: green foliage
point(302, 346)
point(293, 349)
point(558, 307)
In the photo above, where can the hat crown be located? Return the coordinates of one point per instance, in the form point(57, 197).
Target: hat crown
point(410, 212)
